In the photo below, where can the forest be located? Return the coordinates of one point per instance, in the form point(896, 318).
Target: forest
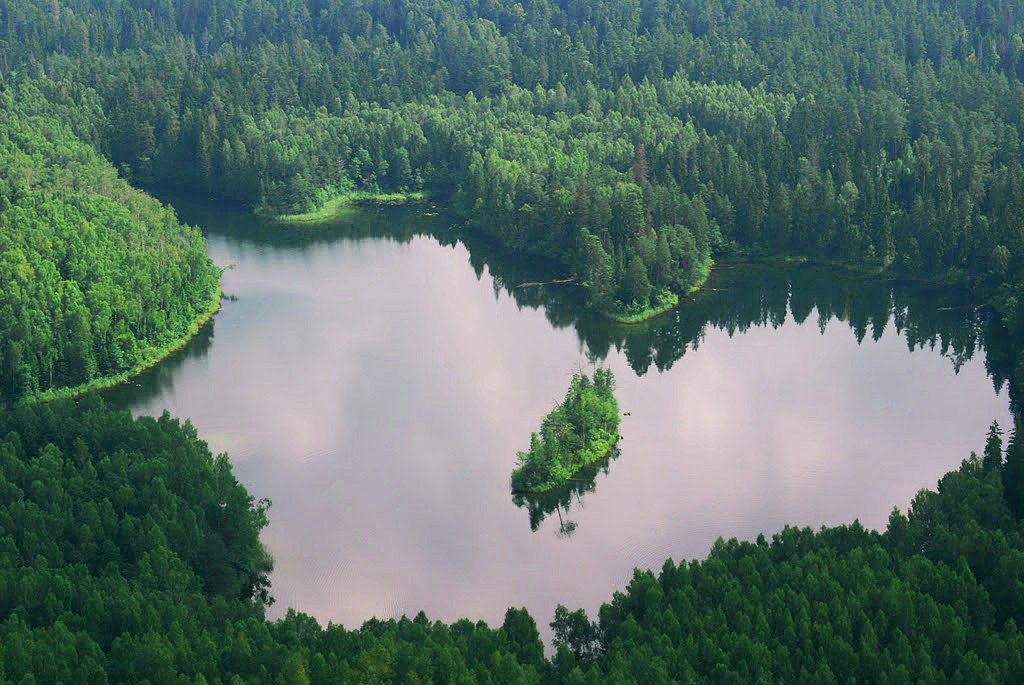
point(98, 279)
point(631, 142)
point(581, 430)
point(131, 553)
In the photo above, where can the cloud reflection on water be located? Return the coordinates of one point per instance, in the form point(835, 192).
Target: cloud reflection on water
point(377, 392)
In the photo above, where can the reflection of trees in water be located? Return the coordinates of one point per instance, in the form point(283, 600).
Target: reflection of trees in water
point(236, 224)
point(152, 383)
point(736, 298)
point(562, 500)
point(741, 296)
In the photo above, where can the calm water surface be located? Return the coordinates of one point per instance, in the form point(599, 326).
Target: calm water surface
point(376, 385)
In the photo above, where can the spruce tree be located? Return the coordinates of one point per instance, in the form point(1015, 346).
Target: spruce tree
point(993, 448)
point(1013, 474)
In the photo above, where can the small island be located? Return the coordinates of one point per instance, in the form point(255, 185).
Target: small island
point(578, 432)
point(559, 499)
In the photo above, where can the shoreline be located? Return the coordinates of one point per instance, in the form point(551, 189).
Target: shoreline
point(674, 301)
point(340, 205)
point(649, 313)
point(951, 279)
point(337, 206)
point(156, 356)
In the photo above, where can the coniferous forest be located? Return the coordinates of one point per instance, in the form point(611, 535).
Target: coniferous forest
point(631, 141)
point(633, 144)
point(131, 554)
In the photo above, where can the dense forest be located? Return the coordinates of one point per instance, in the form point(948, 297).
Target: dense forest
point(581, 430)
point(631, 142)
point(129, 552)
point(97, 278)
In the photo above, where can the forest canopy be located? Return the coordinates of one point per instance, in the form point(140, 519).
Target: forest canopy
point(631, 141)
point(98, 279)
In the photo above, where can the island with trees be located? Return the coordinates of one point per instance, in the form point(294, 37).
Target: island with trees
point(581, 430)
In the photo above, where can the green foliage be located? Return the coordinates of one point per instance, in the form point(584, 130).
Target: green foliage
point(628, 141)
point(338, 205)
point(574, 632)
point(1013, 474)
point(993, 456)
point(97, 278)
point(578, 432)
point(884, 137)
point(128, 552)
point(126, 546)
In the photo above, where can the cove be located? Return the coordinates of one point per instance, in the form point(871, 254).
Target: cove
point(375, 378)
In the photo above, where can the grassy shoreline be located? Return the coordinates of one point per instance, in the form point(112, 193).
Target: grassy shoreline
point(953, 278)
point(647, 314)
point(340, 205)
point(152, 357)
point(668, 304)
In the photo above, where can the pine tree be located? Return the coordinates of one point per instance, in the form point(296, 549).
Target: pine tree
point(1013, 474)
point(993, 448)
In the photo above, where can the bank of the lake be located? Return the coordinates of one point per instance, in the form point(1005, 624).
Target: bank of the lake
point(151, 357)
point(340, 205)
point(667, 301)
point(345, 205)
point(951, 280)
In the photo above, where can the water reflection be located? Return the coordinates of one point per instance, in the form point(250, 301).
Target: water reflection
point(737, 297)
point(376, 390)
point(560, 500)
point(357, 225)
point(159, 381)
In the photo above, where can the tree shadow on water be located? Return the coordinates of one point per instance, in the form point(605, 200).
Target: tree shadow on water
point(562, 501)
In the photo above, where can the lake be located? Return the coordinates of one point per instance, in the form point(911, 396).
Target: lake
point(375, 379)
